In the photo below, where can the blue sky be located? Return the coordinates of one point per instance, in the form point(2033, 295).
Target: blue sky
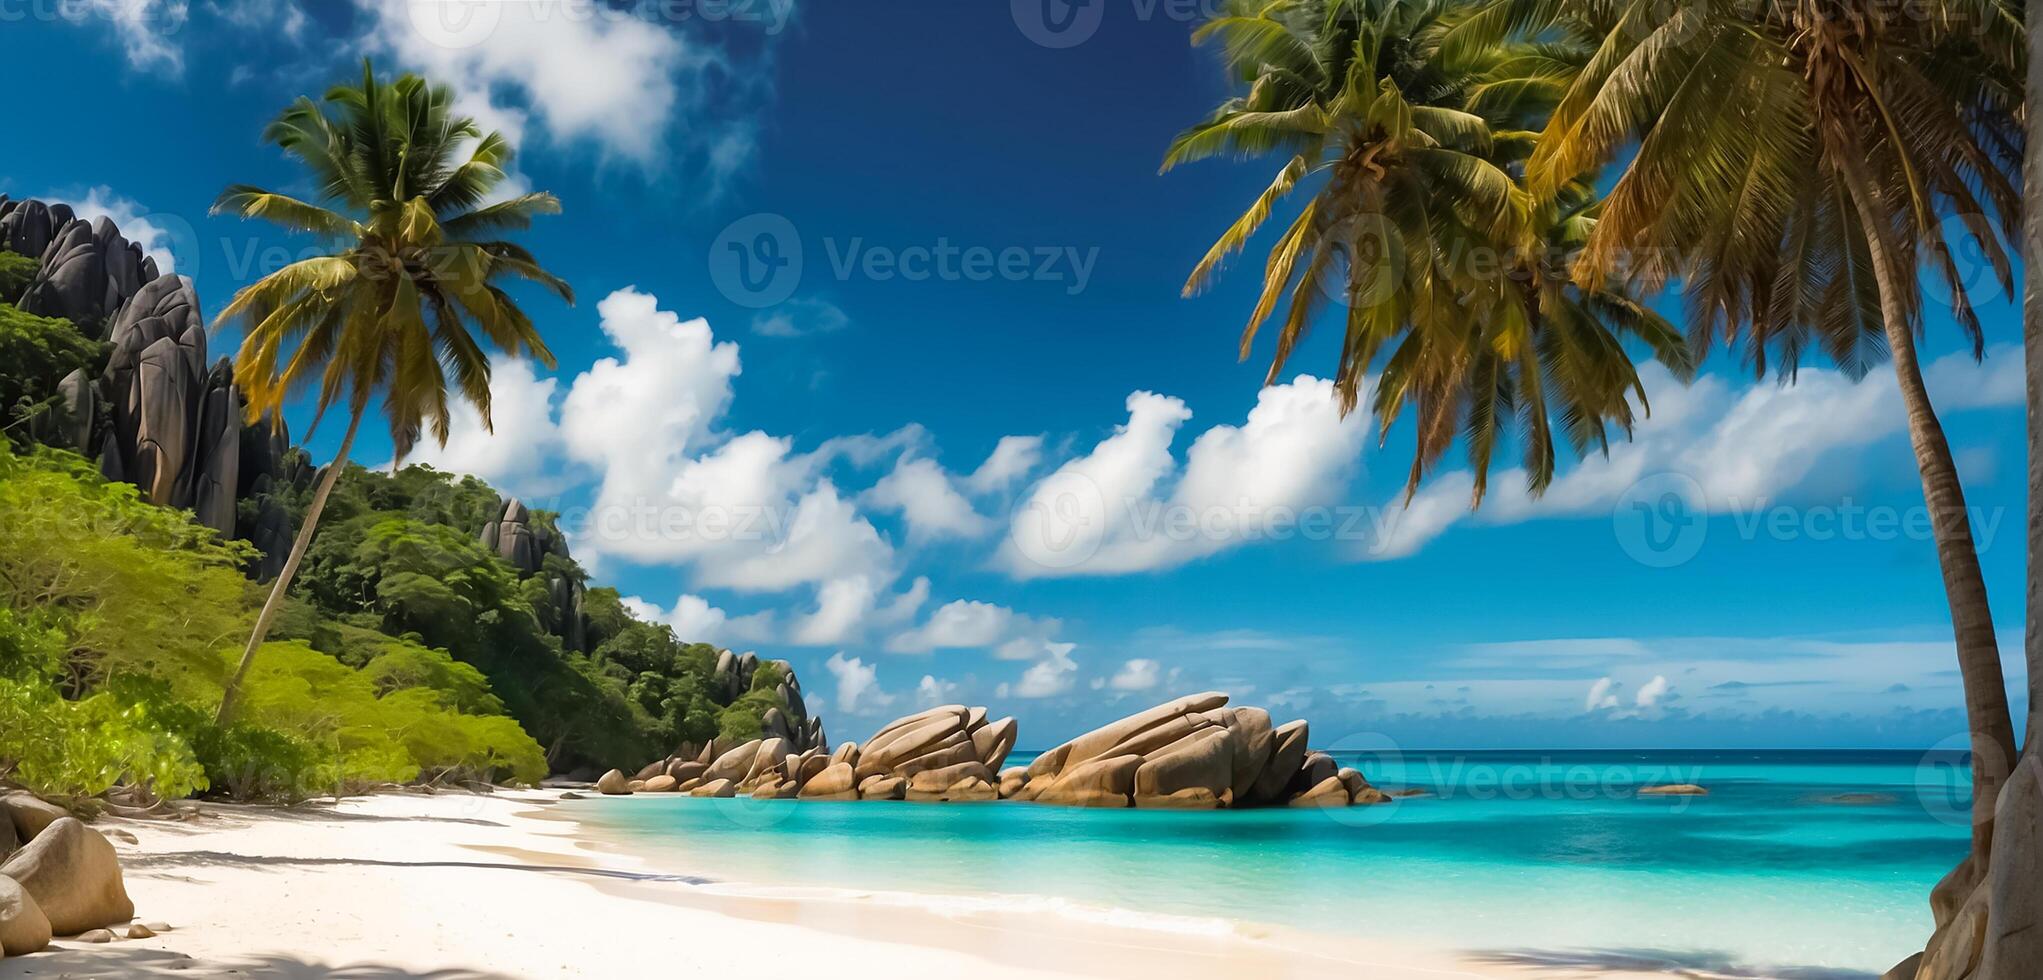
point(973, 445)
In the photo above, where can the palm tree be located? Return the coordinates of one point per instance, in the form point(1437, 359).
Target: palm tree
point(411, 292)
point(1794, 163)
point(1418, 224)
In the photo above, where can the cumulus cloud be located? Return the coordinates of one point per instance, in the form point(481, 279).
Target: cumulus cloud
point(521, 405)
point(934, 691)
point(615, 80)
point(848, 608)
point(1137, 675)
point(695, 620)
point(928, 502)
point(966, 624)
point(1652, 692)
point(746, 510)
point(858, 685)
point(1602, 695)
point(1012, 458)
point(1127, 506)
point(1047, 677)
point(1742, 445)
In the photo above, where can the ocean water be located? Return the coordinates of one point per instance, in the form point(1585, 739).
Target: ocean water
point(1802, 865)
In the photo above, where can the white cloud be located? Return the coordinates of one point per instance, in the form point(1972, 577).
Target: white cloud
point(147, 28)
point(1118, 510)
point(614, 80)
point(1137, 675)
point(1048, 677)
point(696, 621)
point(524, 443)
point(849, 608)
point(933, 691)
point(1601, 695)
point(1743, 446)
point(746, 511)
point(858, 685)
point(923, 494)
point(966, 624)
point(132, 219)
point(1652, 692)
point(1012, 458)
point(800, 318)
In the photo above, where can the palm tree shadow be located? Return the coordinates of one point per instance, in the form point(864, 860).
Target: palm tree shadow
point(160, 964)
point(1676, 962)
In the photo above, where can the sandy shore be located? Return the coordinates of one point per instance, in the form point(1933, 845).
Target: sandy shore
point(458, 886)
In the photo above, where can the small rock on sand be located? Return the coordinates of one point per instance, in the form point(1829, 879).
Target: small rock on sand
point(96, 936)
point(139, 931)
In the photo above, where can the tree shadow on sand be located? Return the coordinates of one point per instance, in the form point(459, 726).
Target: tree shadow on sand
point(1675, 962)
point(157, 964)
point(204, 859)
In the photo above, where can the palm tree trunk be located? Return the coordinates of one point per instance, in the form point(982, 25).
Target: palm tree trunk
point(1986, 696)
point(2032, 361)
point(298, 548)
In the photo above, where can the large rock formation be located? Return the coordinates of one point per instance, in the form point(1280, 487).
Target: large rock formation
point(1194, 752)
point(517, 538)
point(1191, 753)
point(158, 417)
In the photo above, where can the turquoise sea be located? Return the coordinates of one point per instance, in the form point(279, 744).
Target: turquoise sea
point(1519, 856)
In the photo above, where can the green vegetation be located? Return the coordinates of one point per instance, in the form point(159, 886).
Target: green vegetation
point(38, 352)
point(16, 272)
point(1803, 171)
point(406, 650)
point(117, 620)
point(411, 298)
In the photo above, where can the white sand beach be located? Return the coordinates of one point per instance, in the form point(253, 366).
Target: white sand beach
point(457, 886)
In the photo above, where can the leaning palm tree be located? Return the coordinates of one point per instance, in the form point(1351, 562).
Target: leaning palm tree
point(412, 292)
point(1455, 280)
point(1797, 164)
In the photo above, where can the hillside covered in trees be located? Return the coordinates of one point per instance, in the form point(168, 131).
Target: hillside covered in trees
point(437, 629)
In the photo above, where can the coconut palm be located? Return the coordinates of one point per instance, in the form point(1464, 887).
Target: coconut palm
point(412, 292)
point(1452, 275)
point(1798, 164)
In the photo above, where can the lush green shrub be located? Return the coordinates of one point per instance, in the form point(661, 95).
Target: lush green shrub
point(136, 588)
point(36, 353)
point(16, 272)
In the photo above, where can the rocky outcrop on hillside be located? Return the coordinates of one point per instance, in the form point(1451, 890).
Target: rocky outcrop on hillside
point(1191, 753)
point(525, 543)
point(159, 416)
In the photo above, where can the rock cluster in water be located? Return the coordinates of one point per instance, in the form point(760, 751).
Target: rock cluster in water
point(159, 417)
point(1191, 753)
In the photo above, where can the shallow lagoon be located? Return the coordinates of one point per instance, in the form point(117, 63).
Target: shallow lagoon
point(1535, 855)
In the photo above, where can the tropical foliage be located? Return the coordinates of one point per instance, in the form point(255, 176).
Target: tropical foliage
point(412, 294)
point(1795, 167)
point(115, 623)
point(1453, 279)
